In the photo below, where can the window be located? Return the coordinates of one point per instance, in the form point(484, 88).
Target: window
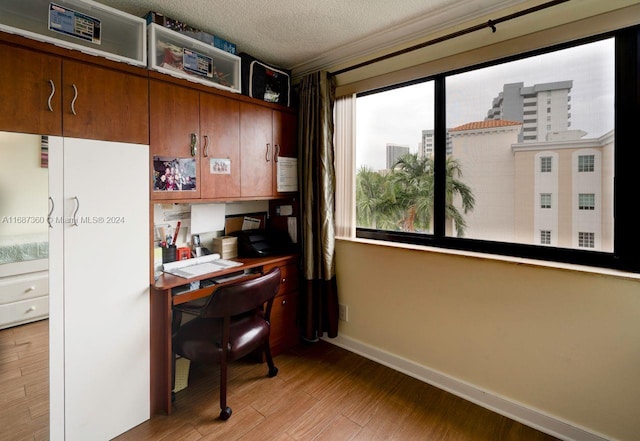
point(586, 240)
point(586, 163)
point(586, 201)
point(545, 200)
point(545, 237)
point(473, 189)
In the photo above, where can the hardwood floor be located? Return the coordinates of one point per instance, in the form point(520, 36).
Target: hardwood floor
point(24, 382)
point(321, 393)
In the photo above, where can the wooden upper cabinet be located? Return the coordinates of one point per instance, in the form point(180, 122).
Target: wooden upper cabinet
point(30, 91)
point(220, 146)
point(257, 150)
point(285, 140)
point(100, 103)
point(174, 139)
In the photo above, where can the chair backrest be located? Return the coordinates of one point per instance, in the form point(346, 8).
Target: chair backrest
point(243, 296)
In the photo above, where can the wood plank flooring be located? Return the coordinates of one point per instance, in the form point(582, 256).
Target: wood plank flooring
point(321, 393)
point(24, 382)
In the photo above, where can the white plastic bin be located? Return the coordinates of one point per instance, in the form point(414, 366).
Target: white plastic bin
point(83, 25)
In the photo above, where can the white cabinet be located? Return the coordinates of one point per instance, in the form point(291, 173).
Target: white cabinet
point(99, 288)
point(24, 298)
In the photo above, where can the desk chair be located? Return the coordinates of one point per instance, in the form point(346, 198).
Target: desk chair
point(231, 324)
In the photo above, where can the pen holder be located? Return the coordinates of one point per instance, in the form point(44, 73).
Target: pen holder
point(169, 254)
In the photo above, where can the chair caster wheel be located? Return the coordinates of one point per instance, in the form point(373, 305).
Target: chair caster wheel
point(225, 414)
point(273, 372)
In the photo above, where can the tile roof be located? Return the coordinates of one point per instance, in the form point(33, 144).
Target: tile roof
point(488, 124)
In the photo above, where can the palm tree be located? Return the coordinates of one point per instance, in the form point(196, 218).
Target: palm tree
point(403, 199)
point(413, 180)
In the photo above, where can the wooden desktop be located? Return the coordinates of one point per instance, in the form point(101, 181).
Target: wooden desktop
point(284, 330)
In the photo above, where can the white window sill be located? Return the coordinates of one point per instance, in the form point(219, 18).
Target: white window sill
point(501, 258)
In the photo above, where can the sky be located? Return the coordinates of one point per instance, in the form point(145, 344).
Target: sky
point(398, 116)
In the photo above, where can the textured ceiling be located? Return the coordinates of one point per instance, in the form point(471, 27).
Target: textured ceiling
point(290, 33)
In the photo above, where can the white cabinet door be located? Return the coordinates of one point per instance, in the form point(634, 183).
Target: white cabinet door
point(105, 288)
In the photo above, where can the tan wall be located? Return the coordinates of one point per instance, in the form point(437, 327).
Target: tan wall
point(564, 342)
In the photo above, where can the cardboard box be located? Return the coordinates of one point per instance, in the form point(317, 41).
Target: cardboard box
point(226, 246)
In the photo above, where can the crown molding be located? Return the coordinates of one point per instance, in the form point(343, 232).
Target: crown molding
point(393, 38)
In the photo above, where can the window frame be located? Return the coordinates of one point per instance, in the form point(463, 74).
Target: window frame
point(627, 113)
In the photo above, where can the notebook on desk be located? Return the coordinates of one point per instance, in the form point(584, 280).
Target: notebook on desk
point(199, 266)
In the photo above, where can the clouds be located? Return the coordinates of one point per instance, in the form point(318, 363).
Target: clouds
point(399, 115)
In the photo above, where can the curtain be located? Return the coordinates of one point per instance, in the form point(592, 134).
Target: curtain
point(317, 204)
point(345, 141)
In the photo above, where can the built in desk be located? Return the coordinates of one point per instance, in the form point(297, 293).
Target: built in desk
point(168, 290)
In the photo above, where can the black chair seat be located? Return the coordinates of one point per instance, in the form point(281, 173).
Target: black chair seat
point(200, 340)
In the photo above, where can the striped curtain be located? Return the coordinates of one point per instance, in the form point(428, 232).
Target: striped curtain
point(317, 203)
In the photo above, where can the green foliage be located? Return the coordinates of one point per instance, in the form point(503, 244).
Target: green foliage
point(402, 199)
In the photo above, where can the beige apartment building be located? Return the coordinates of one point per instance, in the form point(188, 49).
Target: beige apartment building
point(556, 192)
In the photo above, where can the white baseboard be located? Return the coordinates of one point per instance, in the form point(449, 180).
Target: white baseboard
point(503, 406)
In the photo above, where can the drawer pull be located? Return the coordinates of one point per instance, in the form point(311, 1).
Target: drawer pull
point(53, 92)
point(31, 309)
point(284, 302)
point(73, 101)
point(31, 288)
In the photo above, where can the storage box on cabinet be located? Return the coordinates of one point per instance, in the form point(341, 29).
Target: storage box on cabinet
point(175, 54)
point(84, 25)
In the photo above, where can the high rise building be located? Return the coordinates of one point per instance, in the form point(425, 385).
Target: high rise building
point(395, 152)
point(542, 108)
point(426, 147)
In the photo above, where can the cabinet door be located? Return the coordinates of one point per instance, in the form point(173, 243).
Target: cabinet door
point(285, 140)
point(284, 326)
point(220, 146)
point(100, 103)
point(256, 149)
point(101, 299)
point(174, 131)
point(30, 92)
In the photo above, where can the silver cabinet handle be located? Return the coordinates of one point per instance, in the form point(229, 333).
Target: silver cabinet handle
point(194, 144)
point(205, 149)
point(50, 213)
point(268, 150)
point(75, 213)
point(73, 101)
point(276, 153)
point(53, 92)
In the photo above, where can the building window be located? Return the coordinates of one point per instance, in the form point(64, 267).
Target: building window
point(586, 163)
point(586, 201)
point(586, 240)
point(545, 164)
point(545, 237)
point(476, 191)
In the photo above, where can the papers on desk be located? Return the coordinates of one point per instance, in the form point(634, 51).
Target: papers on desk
point(198, 266)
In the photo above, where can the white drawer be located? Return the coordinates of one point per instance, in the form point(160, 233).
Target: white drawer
point(24, 311)
point(23, 287)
